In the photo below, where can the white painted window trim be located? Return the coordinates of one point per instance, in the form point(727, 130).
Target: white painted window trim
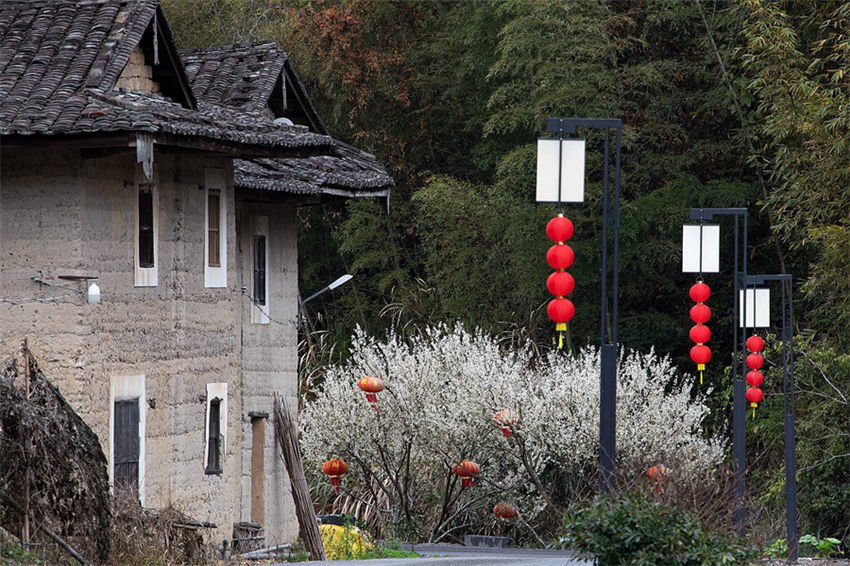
point(215, 277)
point(260, 314)
point(216, 391)
point(123, 388)
point(146, 276)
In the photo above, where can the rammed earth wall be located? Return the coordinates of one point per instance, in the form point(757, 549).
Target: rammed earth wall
point(67, 213)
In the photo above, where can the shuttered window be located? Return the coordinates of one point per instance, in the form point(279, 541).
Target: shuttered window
point(260, 270)
point(125, 473)
point(214, 444)
point(146, 229)
point(214, 228)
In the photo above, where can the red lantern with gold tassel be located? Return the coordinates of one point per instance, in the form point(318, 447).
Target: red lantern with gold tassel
point(371, 386)
point(700, 333)
point(335, 469)
point(560, 257)
point(755, 361)
point(468, 471)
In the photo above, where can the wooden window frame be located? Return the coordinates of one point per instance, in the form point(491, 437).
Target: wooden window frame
point(215, 229)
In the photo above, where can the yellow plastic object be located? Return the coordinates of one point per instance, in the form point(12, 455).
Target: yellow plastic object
point(342, 543)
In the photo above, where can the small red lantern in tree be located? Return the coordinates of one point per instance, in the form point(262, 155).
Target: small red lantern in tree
point(371, 386)
point(560, 257)
point(506, 419)
point(335, 469)
point(468, 471)
point(657, 474)
point(505, 511)
point(755, 361)
point(700, 333)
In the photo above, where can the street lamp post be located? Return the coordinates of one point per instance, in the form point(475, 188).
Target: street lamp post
point(788, 391)
point(610, 231)
point(342, 280)
point(739, 414)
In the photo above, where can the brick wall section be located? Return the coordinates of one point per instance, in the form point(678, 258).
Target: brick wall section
point(62, 213)
point(136, 76)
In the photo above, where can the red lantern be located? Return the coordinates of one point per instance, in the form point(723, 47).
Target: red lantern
point(560, 283)
point(755, 343)
point(560, 229)
point(657, 474)
point(505, 511)
point(700, 333)
point(755, 361)
point(506, 419)
point(700, 355)
point(755, 396)
point(700, 292)
point(335, 469)
point(560, 256)
point(700, 313)
point(467, 470)
point(561, 311)
point(755, 378)
point(371, 386)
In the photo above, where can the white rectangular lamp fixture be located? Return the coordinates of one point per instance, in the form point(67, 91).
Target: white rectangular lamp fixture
point(757, 308)
point(709, 235)
point(571, 153)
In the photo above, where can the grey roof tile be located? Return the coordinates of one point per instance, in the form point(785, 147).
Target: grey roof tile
point(60, 60)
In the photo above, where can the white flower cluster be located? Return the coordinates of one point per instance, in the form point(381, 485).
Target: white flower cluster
point(443, 388)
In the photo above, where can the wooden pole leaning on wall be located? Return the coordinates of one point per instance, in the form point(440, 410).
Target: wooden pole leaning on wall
point(287, 439)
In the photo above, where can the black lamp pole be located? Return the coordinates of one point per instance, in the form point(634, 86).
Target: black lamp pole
point(788, 390)
point(739, 409)
point(608, 338)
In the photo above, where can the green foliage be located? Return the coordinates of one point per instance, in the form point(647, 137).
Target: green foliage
point(777, 549)
point(823, 547)
point(11, 554)
point(634, 530)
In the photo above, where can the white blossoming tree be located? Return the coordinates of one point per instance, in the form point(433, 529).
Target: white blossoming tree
point(443, 388)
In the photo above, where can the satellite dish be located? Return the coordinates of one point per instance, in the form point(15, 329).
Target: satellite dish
point(283, 122)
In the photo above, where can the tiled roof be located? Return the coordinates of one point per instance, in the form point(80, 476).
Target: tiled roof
point(60, 60)
point(350, 168)
point(243, 77)
point(237, 76)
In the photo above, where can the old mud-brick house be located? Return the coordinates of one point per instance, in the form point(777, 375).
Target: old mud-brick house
point(170, 180)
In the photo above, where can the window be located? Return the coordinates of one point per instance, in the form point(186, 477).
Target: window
point(215, 234)
point(214, 440)
point(213, 229)
point(127, 434)
point(145, 238)
point(125, 450)
point(260, 270)
point(146, 255)
point(215, 432)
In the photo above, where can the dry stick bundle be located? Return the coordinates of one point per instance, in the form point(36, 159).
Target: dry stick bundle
point(288, 441)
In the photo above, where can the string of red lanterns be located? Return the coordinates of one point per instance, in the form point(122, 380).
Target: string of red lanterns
point(560, 257)
point(700, 333)
point(755, 361)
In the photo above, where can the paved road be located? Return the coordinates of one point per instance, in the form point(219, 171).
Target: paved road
point(455, 555)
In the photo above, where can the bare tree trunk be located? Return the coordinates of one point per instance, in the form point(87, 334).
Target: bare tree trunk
point(25, 530)
point(288, 441)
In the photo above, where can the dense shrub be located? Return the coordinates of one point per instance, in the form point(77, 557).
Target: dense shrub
point(637, 531)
